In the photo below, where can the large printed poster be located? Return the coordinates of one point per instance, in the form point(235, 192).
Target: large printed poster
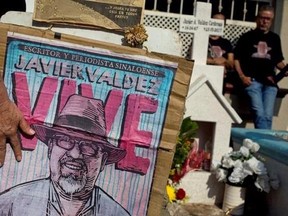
point(98, 117)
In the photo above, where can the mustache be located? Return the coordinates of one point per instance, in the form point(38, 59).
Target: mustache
point(73, 160)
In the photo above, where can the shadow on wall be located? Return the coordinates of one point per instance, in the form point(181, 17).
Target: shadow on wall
point(215, 189)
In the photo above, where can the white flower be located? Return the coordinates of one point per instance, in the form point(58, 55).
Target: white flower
point(238, 164)
point(256, 166)
point(227, 161)
point(221, 174)
point(255, 147)
point(237, 176)
point(262, 182)
point(252, 146)
point(245, 151)
point(247, 143)
point(235, 154)
point(247, 170)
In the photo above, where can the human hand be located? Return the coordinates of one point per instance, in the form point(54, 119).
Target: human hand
point(11, 119)
point(246, 80)
point(271, 79)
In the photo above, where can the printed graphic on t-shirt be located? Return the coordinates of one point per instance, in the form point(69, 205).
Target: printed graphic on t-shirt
point(216, 51)
point(262, 50)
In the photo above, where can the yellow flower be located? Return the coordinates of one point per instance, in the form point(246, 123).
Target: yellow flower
point(171, 192)
point(172, 172)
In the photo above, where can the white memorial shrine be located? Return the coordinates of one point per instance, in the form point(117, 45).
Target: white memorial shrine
point(205, 102)
point(206, 105)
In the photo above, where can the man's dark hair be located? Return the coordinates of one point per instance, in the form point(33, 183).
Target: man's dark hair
point(12, 5)
point(219, 13)
point(266, 8)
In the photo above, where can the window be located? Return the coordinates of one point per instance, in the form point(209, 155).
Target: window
point(226, 7)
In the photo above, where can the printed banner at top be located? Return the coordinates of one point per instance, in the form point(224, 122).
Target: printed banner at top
point(102, 13)
point(98, 117)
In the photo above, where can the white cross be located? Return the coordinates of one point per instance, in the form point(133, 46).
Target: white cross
point(202, 26)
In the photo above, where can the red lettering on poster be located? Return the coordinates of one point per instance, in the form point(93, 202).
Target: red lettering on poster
point(86, 90)
point(68, 88)
point(41, 105)
point(113, 102)
point(132, 137)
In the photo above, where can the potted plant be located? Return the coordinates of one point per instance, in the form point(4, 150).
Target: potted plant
point(239, 169)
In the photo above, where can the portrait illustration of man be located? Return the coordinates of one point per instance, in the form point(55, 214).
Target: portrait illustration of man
point(78, 151)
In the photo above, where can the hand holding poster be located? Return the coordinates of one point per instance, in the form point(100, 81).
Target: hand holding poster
point(100, 118)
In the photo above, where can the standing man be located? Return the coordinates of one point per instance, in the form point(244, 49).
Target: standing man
point(257, 53)
point(78, 150)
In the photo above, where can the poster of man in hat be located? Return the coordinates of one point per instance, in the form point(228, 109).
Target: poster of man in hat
point(98, 118)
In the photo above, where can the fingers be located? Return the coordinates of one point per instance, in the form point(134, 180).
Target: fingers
point(24, 126)
point(2, 150)
point(16, 146)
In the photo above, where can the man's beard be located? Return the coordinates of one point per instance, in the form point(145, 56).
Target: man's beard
point(71, 185)
point(72, 181)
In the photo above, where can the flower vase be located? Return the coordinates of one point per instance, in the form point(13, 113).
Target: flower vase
point(234, 199)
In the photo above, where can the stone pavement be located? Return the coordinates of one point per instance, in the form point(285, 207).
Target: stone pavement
point(196, 209)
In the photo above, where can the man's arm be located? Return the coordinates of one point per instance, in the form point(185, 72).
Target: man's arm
point(10, 120)
point(280, 65)
point(245, 79)
point(283, 72)
point(229, 64)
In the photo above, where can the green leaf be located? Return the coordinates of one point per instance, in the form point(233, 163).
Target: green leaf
point(188, 129)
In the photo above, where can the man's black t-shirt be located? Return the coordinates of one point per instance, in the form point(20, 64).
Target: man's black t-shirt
point(219, 48)
point(259, 53)
point(12, 5)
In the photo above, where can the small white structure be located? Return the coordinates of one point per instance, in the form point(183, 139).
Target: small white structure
point(214, 116)
point(206, 86)
point(206, 105)
point(214, 109)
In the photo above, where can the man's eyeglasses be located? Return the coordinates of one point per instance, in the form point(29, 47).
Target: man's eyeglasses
point(86, 147)
point(265, 18)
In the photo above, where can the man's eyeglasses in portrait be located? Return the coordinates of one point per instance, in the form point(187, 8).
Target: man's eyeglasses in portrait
point(87, 148)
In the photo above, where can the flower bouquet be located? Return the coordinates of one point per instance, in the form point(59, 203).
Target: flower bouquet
point(185, 143)
point(175, 194)
point(242, 168)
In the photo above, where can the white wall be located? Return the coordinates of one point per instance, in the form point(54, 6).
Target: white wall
point(29, 5)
